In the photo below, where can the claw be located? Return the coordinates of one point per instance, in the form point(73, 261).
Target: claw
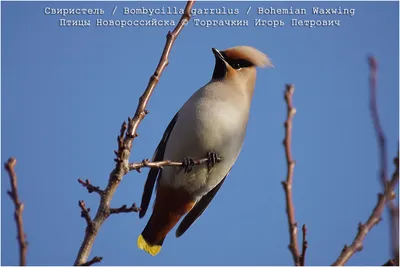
point(212, 159)
point(188, 164)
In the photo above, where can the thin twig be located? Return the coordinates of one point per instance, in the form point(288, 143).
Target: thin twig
point(304, 247)
point(388, 187)
point(125, 209)
point(92, 261)
point(160, 164)
point(19, 207)
point(287, 185)
point(381, 139)
point(127, 134)
point(85, 213)
point(380, 135)
point(90, 188)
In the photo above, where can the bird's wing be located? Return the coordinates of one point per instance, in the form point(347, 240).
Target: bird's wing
point(198, 209)
point(154, 173)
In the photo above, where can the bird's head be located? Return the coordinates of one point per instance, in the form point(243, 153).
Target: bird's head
point(239, 62)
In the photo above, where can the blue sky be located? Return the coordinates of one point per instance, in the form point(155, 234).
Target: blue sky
point(66, 91)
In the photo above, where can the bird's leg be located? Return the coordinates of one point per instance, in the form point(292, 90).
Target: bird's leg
point(187, 164)
point(212, 159)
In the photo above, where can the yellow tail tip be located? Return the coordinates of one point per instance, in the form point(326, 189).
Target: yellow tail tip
point(152, 250)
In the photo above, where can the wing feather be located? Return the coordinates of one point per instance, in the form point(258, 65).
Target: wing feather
point(154, 173)
point(198, 209)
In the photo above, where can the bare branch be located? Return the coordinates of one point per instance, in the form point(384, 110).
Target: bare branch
point(363, 230)
point(304, 247)
point(389, 192)
point(380, 135)
point(388, 187)
point(90, 188)
point(19, 207)
point(127, 134)
point(287, 185)
point(125, 209)
point(92, 261)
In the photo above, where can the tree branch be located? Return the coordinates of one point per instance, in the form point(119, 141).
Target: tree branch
point(363, 229)
point(381, 139)
point(287, 185)
point(19, 207)
point(127, 134)
point(388, 187)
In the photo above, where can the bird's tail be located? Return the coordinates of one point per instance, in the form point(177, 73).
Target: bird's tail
point(151, 249)
point(152, 236)
point(168, 210)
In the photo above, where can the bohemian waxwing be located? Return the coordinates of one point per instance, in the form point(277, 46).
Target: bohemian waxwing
point(212, 124)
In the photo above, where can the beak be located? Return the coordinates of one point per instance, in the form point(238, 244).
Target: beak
point(217, 54)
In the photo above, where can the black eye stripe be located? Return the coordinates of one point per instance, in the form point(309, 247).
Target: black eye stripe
point(237, 63)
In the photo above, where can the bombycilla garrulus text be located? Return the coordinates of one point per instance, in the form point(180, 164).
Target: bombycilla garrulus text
point(212, 124)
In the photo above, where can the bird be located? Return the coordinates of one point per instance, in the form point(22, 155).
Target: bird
point(211, 124)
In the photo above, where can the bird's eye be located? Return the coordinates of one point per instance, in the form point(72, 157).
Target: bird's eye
point(237, 66)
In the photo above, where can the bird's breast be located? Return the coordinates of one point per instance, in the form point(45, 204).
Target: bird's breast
point(207, 124)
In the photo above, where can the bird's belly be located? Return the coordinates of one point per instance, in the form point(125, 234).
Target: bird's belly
point(218, 129)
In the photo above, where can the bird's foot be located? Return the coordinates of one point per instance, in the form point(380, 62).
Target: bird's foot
point(212, 159)
point(187, 164)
